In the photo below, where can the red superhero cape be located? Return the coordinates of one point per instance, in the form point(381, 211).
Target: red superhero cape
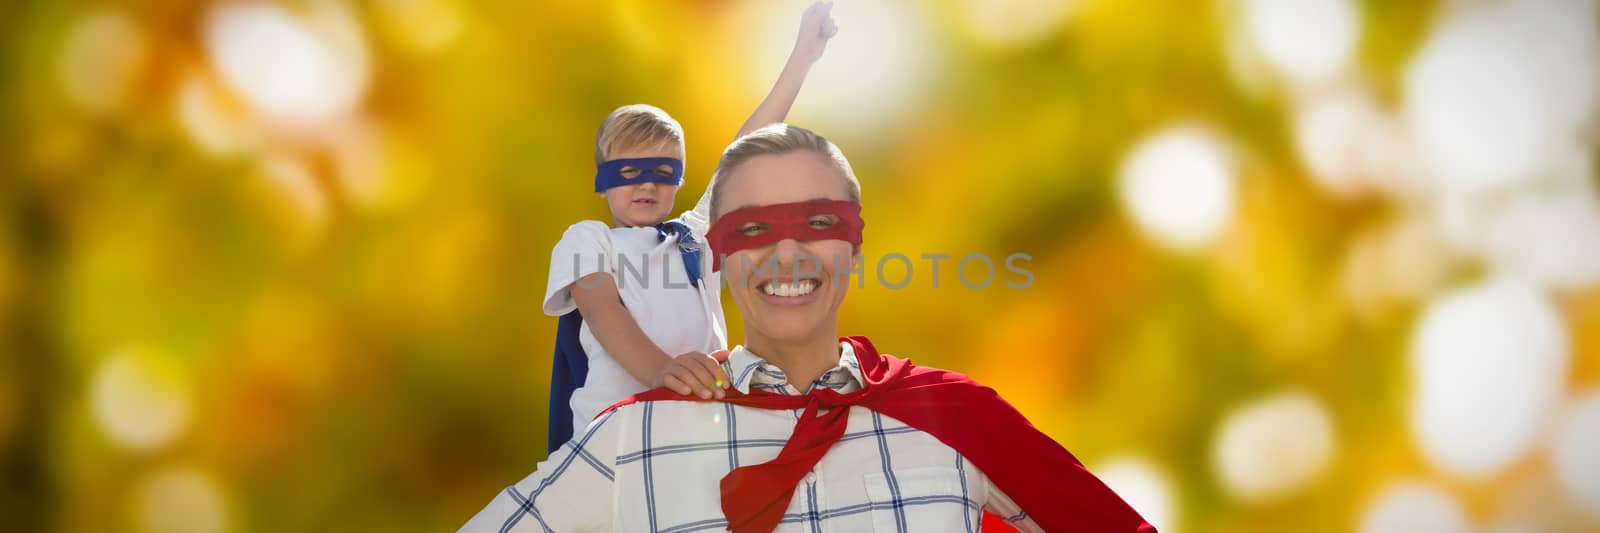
point(1050, 485)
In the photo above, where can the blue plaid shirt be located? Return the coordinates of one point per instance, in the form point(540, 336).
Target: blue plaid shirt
point(656, 466)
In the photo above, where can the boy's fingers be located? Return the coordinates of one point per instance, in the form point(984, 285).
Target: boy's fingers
point(706, 370)
point(719, 377)
point(689, 383)
point(677, 385)
point(719, 355)
point(693, 382)
point(710, 363)
point(717, 372)
point(701, 376)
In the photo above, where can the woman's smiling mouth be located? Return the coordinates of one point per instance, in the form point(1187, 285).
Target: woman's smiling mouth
point(789, 292)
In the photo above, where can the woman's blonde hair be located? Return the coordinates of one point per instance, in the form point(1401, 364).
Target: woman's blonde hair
point(774, 140)
point(637, 126)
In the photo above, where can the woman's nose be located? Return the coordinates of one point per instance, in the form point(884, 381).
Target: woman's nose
point(793, 256)
point(786, 251)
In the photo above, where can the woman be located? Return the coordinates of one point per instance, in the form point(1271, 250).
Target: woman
point(815, 432)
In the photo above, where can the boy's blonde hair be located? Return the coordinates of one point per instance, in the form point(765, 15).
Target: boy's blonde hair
point(636, 126)
point(774, 140)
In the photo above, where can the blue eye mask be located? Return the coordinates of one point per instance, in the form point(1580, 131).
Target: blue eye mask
point(609, 173)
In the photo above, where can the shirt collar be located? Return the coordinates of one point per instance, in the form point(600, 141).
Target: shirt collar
point(749, 370)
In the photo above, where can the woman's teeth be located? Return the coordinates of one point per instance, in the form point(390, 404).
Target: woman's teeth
point(792, 288)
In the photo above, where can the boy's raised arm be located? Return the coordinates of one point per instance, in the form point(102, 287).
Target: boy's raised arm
point(816, 27)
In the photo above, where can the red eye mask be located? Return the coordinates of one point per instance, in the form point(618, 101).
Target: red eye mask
point(755, 227)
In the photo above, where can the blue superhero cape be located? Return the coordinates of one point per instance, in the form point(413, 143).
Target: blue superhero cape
point(571, 369)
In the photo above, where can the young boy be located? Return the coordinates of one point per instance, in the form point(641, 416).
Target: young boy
point(639, 304)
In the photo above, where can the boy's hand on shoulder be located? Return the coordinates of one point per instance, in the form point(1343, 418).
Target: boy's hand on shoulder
point(816, 27)
point(695, 373)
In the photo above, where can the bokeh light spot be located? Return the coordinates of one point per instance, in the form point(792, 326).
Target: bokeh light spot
point(102, 58)
point(1488, 364)
point(295, 69)
point(1179, 187)
point(1308, 41)
point(179, 499)
point(1575, 453)
point(1482, 110)
point(1144, 487)
point(1410, 507)
point(215, 123)
point(1274, 446)
point(141, 398)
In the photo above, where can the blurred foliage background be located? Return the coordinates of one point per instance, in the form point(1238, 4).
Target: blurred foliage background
point(1326, 265)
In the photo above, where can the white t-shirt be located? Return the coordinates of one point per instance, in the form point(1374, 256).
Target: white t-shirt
point(654, 287)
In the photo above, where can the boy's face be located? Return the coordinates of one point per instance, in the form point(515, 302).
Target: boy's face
point(647, 203)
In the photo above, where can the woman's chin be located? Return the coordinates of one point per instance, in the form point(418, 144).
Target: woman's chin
point(789, 331)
